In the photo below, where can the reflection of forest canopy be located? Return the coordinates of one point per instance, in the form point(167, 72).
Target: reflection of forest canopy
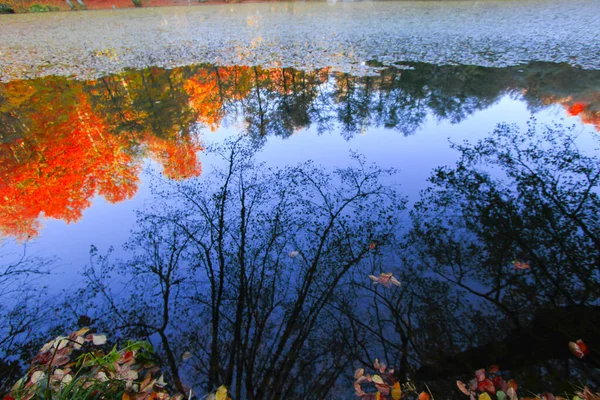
point(76, 139)
point(67, 140)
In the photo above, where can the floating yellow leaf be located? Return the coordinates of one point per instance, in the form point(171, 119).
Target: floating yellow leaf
point(81, 332)
point(222, 393)
point(484, 396)
point(396, 391)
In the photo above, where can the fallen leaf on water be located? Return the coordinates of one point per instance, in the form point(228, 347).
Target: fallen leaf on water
point(463, 388)
point(579, 348)
point(521, 264)
point(99, 339)
point(396, 391)
point(221, 393)
point(358, 373)
point(386, 279)
point(480, 375)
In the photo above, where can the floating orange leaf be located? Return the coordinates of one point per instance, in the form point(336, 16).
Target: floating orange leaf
point(387, 280)
point(579, 348)
point(576, 109)
point(424, 396)
point(521, 264)
point(396, 391)
point(463, 388)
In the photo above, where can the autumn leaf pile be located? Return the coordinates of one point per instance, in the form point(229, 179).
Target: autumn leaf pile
point(490, 385)
point(79, 367)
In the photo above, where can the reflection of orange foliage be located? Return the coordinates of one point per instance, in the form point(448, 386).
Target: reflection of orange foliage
point(589, 112)
point(206, 98)
point(58, 169)
point(178, 156)
point(209, 88)
point(576, 109)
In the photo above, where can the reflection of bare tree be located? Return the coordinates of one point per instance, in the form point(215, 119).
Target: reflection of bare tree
point(242, 267)
point(529, 196)
point(23, 312)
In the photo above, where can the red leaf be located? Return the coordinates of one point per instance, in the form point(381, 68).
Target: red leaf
point(578, 349)
point(583, 347)
point(521, 264)
point(480, 375)
point(473, 384)
point(486, 385)
point(500, 383)
point(424, 396)
point(463, 388)
point(576, 109)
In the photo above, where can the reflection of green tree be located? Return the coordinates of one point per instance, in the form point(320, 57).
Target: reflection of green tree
point(279, 101)
point(25, 106)
point(149, 101)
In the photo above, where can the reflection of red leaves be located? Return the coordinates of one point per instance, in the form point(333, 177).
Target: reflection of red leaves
point(59, 166)
point(177, 155)
point(576, 109)
point(586, 109)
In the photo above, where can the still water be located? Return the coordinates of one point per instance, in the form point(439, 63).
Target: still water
point(244, 218)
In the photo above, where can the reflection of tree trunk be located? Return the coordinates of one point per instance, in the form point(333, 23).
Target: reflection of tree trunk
point(235, 357)
point(172, 92)
point(260, 109)
point(217, 297)
point(155, 127)
point(219, 85)
point(114, 100)
point(172, 362)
